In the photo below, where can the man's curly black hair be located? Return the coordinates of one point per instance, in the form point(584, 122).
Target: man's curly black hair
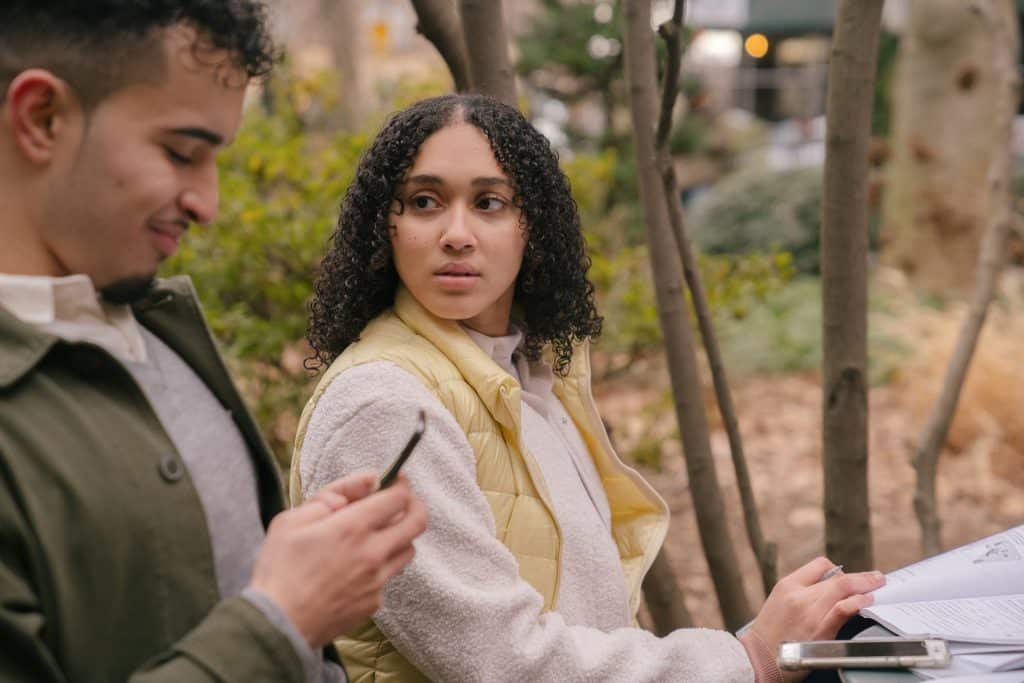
point(358, 280)
point(100, 46)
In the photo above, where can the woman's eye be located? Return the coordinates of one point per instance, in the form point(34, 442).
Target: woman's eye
point(489, 204)
point(424, 202)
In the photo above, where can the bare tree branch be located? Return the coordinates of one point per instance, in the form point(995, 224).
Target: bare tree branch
point(765, 552)
point(844, 250)
point(438, 22)
point(665, 601)
point(483, 28)
point(1002, 25)
point(675, 323)
point(672, 33)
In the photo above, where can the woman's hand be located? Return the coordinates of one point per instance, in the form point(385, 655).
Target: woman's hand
point(802, 607)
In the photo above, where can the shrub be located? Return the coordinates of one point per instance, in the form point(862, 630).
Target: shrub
point(758, 211)
point(280, 184)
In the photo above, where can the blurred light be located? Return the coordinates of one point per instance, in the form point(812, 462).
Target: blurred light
point(380, 35)
point(720, 48)
point(756, 45)
point(661, 11)
point(599, 47)
point(603, 12)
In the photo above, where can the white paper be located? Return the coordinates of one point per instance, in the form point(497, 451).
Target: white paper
point(991, 566)
point(973, 620)
point(1003, 677)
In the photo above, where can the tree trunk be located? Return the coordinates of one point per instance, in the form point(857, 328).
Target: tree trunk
point(844, 254)
point(675, 324)
point(766, 552)
point(665, 601)
point(944, 103)
point(1000, 22)
point(438, 22)
point(483, 29)
point(343, 39)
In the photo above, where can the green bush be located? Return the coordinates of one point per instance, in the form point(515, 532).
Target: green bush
point(758, 211)
point(783, 334)
point(280, 185)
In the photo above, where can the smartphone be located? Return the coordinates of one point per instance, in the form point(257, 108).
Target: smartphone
point(392, 472)
point(864, 653)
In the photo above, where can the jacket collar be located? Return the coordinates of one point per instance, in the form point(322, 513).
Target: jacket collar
point(496, 388)
point(23, 346)
point(499, 391)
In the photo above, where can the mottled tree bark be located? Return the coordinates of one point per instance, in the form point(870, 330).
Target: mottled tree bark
point(944, 99)
point(1000, 22)
point(844, 254)
point(675, 323)
point(438, 22)
point(483, 29)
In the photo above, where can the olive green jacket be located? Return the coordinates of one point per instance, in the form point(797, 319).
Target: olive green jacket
point(106, 570)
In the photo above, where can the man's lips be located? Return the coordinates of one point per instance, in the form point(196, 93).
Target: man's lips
point(167, 235)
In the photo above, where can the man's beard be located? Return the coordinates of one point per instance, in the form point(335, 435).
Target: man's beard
point(127, 290)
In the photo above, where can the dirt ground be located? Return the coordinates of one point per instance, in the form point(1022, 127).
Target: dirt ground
point(981, 478)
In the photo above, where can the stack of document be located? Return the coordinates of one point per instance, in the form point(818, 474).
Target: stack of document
point(972, 596)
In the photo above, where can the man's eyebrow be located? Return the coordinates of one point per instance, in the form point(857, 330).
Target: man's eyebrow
point(201, 133)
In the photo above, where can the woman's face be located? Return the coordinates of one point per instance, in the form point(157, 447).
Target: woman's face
point(459, 243)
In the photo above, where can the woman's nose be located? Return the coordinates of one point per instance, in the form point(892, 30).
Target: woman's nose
point(458, 233)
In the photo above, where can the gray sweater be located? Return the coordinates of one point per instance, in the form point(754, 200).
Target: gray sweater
point(459, 611)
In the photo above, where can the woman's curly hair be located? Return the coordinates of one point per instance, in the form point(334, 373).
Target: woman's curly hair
point(358, 280)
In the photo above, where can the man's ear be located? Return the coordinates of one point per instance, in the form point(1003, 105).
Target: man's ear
point(38, 109)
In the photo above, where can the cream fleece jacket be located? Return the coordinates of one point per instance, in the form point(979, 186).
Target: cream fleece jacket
point(459, 611)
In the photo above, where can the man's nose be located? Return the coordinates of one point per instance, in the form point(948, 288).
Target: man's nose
point(199, 202)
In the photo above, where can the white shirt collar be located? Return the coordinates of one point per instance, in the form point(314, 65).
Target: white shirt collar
point(500, 349)
point(69, 307)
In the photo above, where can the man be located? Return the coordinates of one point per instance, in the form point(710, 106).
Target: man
point(135, 490)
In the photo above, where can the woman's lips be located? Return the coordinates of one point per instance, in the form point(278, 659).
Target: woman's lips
point(456, 278)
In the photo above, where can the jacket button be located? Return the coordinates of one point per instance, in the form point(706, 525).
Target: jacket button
point(171, 468)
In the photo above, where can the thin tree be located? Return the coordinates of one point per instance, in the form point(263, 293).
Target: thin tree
point(844, 255)
point(473, 43)
point(346, 50)
point(673, 315)
point(1001, 26)
point(766, 552)
point(483, 30)
point(438, 22)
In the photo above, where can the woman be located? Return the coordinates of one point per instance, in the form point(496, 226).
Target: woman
point(456, 284)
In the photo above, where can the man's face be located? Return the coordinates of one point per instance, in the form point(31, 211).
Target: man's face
point(140, 168)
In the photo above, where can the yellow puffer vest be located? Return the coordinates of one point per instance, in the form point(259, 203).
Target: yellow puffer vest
point(485, 401)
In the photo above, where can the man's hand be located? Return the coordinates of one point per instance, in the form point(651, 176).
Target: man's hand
point(325, 562)
point(801, 607)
